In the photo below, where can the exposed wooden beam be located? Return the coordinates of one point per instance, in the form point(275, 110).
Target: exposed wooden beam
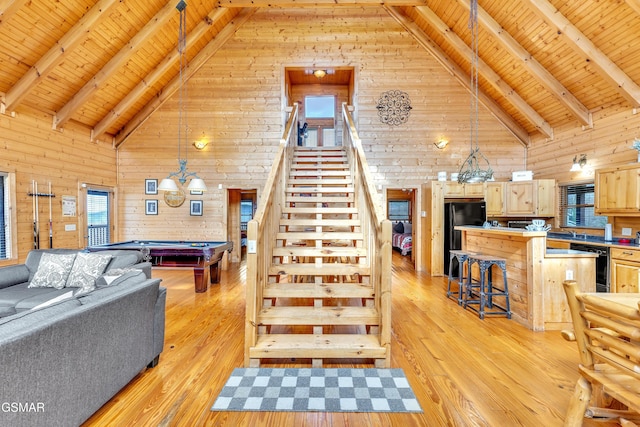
point(317, 3)
point(196, 63)
point(8, 8)
point(635, 5)
point(56, 54)
point(541, 74)
point(581, 43)
point(520, 133)
point(150, 79)
point(487, 72)
point(114, 64)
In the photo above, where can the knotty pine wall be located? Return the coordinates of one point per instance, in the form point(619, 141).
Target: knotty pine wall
point(237, 100)
point(33, 151)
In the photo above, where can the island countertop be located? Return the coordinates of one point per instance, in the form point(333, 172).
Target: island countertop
point(534, 273)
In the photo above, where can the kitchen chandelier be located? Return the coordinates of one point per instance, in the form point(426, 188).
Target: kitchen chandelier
point(471, 170)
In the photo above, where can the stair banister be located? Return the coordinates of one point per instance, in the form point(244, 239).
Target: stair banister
point(375, 226)
point(261, 230)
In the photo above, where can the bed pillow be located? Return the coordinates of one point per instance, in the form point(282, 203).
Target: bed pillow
point(407, 227)
point(53, 271)
point(398, 228)
point(86, 269)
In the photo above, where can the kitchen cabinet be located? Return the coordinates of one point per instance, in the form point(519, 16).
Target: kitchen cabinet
point(455, 189)
point(530, 198)
point(617, 190)
point(625, 270)
point(494, 198)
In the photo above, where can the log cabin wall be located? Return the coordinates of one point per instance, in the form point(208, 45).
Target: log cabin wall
point(33, 151)
point(237, 101)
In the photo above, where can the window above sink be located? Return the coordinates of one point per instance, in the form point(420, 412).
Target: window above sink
point(577, 202)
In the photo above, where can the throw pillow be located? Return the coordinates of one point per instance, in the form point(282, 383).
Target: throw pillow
point(398, 228)
point(86, 269)
point(407, 227)
point(53, 271)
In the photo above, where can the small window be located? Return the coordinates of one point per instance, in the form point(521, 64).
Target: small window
point(319, 107)
point(399, 210)
point(577, 206)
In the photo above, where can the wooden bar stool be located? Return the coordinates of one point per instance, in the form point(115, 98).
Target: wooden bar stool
point(487, 290)
point(461, 257)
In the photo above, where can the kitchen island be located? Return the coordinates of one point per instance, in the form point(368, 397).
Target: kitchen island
point(535, 273)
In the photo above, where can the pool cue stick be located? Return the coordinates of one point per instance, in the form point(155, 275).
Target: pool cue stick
point(33, 206)
point(37, 226)
point(50, 220)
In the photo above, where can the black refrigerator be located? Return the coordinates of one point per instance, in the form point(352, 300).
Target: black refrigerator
point(459, 213)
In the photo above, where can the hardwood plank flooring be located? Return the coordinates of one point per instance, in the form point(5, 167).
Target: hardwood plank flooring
point(464, 371)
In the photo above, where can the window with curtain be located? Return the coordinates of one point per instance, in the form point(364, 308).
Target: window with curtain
point(399, 210)
point(577, 206)
point(98, 227)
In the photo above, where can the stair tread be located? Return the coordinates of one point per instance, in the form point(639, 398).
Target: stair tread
point(326, 269)
point(319, 199)
point(337, 222)
point(325, 251)
point(333, 166)
point(283, 315)
point(318, 290)
point(319, 190)
point(310, 173)
point(318, 210)
point(325, 235)
point(321, 181)
point(318, 346)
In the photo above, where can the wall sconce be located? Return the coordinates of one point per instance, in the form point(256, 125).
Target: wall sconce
point(319, 73)
point(200, 144)
point(441, 143)
point(578, 163)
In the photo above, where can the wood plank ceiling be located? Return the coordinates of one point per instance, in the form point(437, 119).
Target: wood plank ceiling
point(108, 64)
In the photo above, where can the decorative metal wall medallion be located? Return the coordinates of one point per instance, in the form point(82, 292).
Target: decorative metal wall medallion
point(394, 107)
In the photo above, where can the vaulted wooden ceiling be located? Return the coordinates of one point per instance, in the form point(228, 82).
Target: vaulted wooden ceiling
point(108, 64)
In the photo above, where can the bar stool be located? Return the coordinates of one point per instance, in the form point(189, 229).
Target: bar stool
point(461, 257)
point(486, 288)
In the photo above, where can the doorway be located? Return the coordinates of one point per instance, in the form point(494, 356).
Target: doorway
point(402, 212)
point(242, 204)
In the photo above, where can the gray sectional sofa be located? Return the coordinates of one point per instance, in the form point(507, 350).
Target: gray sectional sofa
point(65, 352)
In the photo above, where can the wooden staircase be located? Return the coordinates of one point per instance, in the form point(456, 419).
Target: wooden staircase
point(318, 302)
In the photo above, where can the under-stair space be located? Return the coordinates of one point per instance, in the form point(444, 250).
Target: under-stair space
point(318, 300)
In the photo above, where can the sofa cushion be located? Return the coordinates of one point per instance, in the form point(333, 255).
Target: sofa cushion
point(13, 274)
point(87, 267)
point(118, 276)
point(7, 310)
point(53, 271)
point(123, 258)
point(25, 298)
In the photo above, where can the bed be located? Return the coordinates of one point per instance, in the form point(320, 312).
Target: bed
point(401, 236)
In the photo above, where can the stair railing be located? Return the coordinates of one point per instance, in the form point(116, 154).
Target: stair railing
point(262, 229)
point(376, 228)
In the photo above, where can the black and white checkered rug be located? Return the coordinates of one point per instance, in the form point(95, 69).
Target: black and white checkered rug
point(317, 390)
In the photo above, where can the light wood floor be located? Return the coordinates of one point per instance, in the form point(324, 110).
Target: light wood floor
point(464, 371)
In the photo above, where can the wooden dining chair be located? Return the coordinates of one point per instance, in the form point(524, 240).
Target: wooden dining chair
point(608, 338)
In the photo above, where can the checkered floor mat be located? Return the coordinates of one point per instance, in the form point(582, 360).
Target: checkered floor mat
point(317, 390)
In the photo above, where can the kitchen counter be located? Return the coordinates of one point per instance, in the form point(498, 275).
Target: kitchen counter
point(535, 273)
point(592, 240)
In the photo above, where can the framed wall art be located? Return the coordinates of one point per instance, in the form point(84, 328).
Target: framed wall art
point(150, 186)
point(196, 207)
point(151, 207)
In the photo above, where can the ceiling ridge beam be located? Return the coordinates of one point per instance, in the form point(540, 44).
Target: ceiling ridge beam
point(56, 54)
point(605, 66)
point(8, 8)
point(540, 73)
point(635, 5)
point(196, 63)
point(156, 74)
point(110, 68)
point(459, 74)
point(487, 72)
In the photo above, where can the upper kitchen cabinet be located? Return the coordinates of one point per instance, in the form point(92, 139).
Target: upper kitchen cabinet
point(494, 197)
point(454, 189)
point(530, 198)
point(616, 190)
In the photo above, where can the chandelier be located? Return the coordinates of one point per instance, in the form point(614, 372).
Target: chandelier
point(196, 183)
point(471, 170)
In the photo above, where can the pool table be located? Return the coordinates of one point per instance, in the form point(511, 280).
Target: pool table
point(204, 257)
